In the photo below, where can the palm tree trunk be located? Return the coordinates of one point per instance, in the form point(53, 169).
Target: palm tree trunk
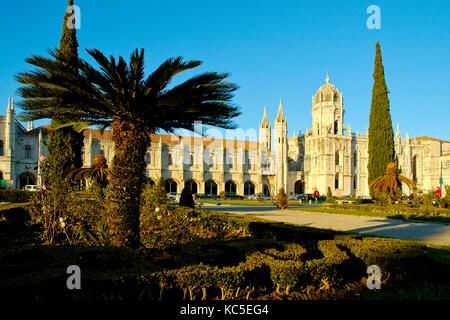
point(127, 176)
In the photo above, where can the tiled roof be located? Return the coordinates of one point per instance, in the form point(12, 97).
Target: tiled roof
point(425, 138)
point(174, 140)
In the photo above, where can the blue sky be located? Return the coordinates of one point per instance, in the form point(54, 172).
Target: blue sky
point(273, 50)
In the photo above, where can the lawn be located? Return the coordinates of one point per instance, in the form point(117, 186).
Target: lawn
point(230, 202)
point(398, 214)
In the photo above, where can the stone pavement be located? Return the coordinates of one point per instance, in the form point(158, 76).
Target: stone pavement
point(427, 232)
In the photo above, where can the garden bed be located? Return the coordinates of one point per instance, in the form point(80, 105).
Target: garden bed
point(223, 256)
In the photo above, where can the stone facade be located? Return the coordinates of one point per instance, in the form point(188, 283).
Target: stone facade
point(326, 155)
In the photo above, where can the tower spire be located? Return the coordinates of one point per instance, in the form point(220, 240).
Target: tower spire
point(265, 121)
point(280, 115)
point(327, 79)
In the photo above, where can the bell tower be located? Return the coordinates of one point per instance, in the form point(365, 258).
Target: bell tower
point(327, 110)
point(281, 149)
point(265, 132)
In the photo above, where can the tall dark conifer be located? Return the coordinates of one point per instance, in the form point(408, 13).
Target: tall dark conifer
point(381, 134)
point(65, 144)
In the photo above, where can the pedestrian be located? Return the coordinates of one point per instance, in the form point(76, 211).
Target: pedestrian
point(438, 193)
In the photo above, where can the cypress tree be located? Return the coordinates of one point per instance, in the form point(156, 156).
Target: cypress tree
point(381, 134)
point(65, 144)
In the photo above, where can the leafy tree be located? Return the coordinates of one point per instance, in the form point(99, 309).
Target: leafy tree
point(186, 199)
point(134, 106)
point(154, 196)
point(282, 199)
point(65, 144)
point(381, 134)
point(391, 182)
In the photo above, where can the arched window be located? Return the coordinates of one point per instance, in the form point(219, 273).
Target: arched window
point(26, 178)
point(336, 127)
point(191, 160)
point(192, 185)
point(336, 158)
point(171, 185)
point(2, 148)
point(229, 159)
point(336, 181)
point(298, 187)
point(102, 152)
point(249, 188)
point(355, 159)
point(170, 159)
point(210, 187)
point(148, 158)
point(27, 152)
point(230, 186)
point(355, 182)
point(208, 158)
point(414, 168)
point(335, 97)
point(266, 190)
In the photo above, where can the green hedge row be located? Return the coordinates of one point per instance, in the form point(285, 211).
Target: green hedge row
point(16, 195)
point(395, 208)
point(16, 213)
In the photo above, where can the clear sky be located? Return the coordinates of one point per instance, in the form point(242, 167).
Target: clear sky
point(273, 50)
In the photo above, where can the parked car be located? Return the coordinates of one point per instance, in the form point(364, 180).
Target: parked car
point(205, 196)
point(31, 187)
point(173, 196)
point(258, 197)
point(231, 195)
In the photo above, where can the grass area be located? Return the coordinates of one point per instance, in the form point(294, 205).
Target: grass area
point(255, 203)
point(6, 206)
point(400, 216)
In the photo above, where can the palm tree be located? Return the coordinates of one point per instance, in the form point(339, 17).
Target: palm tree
point(391, 183)
point(98, 174)
point(118, 95)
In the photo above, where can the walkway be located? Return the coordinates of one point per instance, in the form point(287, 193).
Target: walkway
point(427, 232)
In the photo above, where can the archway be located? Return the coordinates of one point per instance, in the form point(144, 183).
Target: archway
point(171, 185)
point(192, 185)
point(210, 187)
point(249, 188)
point(266, 190)
point(26, 178)
point(230, 186)
point(299, 187)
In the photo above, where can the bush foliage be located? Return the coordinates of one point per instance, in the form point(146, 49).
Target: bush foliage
point(16, 195)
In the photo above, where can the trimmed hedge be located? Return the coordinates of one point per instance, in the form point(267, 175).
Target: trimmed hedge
point(16, 213)
point(394, 208)
point(272, 257)
point(16, 195)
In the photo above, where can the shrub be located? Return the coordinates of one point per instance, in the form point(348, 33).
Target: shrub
point(16, 195)
point(282, 199)
point(65, 216)
point(154, 196)
point(186, 199)
point(329, 197)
